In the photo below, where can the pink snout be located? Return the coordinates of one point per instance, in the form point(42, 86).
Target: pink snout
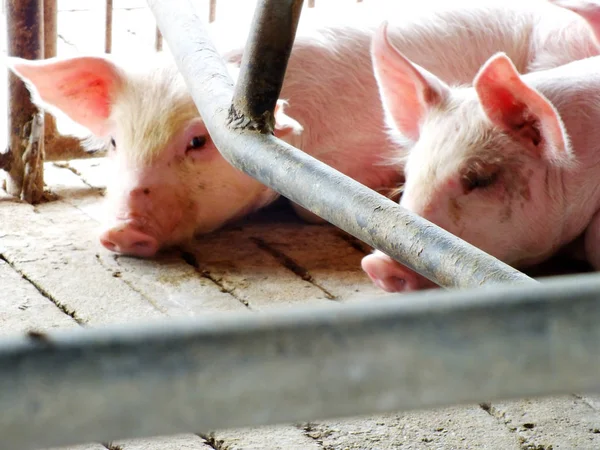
point(391, 276)
point(129, 241)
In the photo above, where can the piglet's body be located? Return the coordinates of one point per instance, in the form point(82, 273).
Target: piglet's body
point(510, 165)
point(170, 182)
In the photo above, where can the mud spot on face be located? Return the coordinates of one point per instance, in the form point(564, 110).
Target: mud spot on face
point(146, 191)
point(454, 209)
point(506, 212)
point(518, 191)
point(524, 190)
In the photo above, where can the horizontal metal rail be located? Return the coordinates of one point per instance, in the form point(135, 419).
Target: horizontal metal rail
point(401, 352)
point(376, 220)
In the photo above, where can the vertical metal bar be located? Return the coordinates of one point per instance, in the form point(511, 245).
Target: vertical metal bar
point(264, 63)
point(311, 3)
point(108, 26)
point(158, 40)
point(56, 147)
point(212, 11)
point(24, 161)
point(50, 42)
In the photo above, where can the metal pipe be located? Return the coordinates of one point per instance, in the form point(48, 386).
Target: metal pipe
point(212, 11)
point(108, 23)
point(264, 63)
point(158, 40)
point(430, 349)
point(50, 44)
point(24, 157)
point(369, 216)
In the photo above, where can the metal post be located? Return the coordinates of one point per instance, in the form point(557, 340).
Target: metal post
point(56, 146)
point(212, 11)
point(425, 350)
point(376, 220)
point(24, 161)
point(264, 63)
point(50, 43)
point(158, 40)
point(108, 26)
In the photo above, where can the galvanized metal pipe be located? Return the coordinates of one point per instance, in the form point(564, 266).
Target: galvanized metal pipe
point(429, 349)
point(264, 63)
point(376, 220)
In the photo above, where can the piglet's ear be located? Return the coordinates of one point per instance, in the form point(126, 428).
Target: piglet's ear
point(589, 10)
point(284, 124)
point(82, 87)
point(407, 90)
point(520, 110)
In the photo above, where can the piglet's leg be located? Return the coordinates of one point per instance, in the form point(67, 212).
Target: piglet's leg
point(592, 242)
point(391, 276)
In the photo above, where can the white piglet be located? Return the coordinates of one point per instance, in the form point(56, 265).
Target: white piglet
point(510, 164)
point(170, 183)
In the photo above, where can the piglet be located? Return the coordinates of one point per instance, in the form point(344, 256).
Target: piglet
point(510, 164)
point(170, 183)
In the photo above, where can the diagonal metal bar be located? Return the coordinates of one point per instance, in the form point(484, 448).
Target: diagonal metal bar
point(376, 220)
point(422, 350)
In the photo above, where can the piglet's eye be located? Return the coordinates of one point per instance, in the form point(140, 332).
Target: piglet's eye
point(196, 143)
point(473, 180)
point(113, 143)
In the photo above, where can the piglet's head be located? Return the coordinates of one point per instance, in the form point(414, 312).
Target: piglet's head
point(168, 181)
point(484, 162)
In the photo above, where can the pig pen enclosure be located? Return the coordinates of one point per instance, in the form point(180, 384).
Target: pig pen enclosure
point(288, 337)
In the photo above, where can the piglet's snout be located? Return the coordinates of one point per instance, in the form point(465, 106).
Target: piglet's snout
point(128, 235)
point(128, 240)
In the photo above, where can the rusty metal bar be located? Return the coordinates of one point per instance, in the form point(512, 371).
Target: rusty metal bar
point(376, 220)
point(108, 26)
point(158, 40)
point(50, 28)
point(50, 43)
point(24, 161)
point(264, 64)
point(212, 11)
point(57, 146)
point(424, 350)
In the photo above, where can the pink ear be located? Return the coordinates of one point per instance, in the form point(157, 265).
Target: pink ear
point(519, 109)
point(590, 11)
point(407, 90)
point(284, 124)
point(81, 87)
